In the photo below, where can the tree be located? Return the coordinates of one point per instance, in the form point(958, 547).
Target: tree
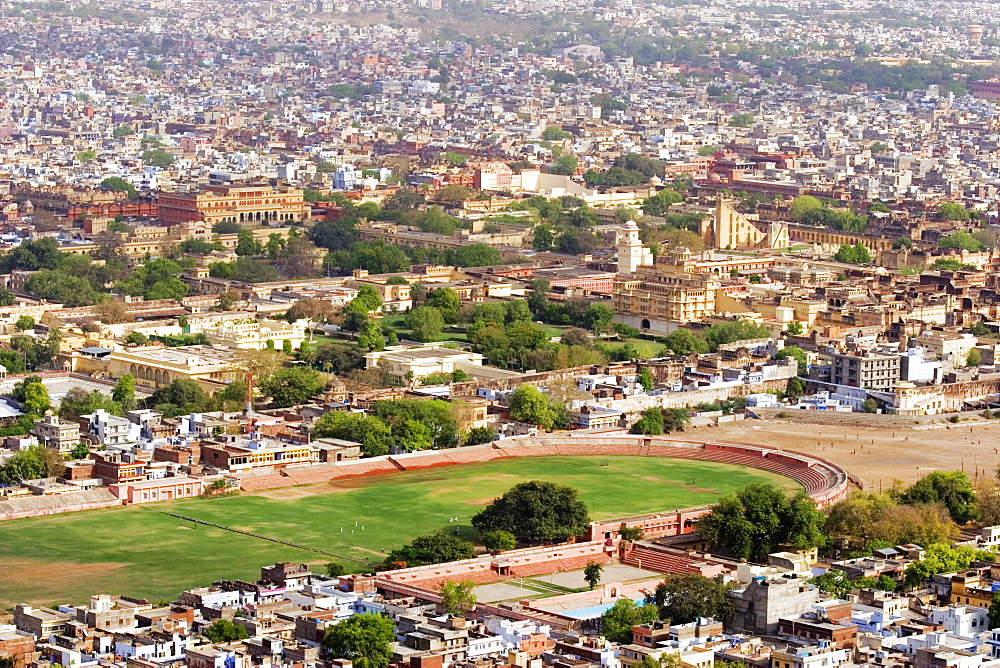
point(226, 227)
point(795, 387)
point(29, 464)
point(80, 451)
point(223, 631)
point(795, 353)
point(543, 239)
point(973, 358)
point(651, 422)
point(961, 241)
point(803, 206)
point(455, 193)
point(79, 402)
point(630, 534)
point(425, 323)
point(939, 558)
point(124, 392)
point(685, 597)
point(742, 120)
point(293, 386)
point(949, 489)
point(731, 332)
point(795, 328)
point(527, 404)
point(24, 323)
point(576, 336)
point(856, 254)
point(869, 406)
point(683, 341)
point(592, 574)
point(536, 511)
point(36, 399)
point(645, 379)
point(458, 598)
point(370, 336)
point(994, 612)
point(120, 185)
point(421, 423)
point(675, 419)
point(953, 211)
point(555, 133)
point(499, 541)
point(158, 158)
point(477, 255)
point(435, 548)
point(374, 435)
point(618, 620)
point(598, 317)
point(182, 392)
point(758, 519)
point(366, 640)
point(565, 165)
point(335, 570)
point(113, 312)
point(246, 244)
point(660, 203)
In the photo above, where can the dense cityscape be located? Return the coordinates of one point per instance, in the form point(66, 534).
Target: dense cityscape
point(478, 334)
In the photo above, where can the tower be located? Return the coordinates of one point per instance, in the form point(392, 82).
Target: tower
point(631, 253)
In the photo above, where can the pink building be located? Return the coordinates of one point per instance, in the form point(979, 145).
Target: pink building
point(164, 489)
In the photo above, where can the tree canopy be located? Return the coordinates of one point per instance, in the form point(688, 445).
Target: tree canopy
point(365, 639)
point(536, 511)
point(760, 518)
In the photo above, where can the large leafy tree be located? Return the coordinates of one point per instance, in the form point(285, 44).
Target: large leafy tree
point(293, 386)
point(536, 511)
point(364, 639)
point(435, 548)
point(950, 489)
point(527, 404)
point(686, 597)
point(434, 415)
point(939, 558)
point(124, 392)
point(374, 435)
point(758, 519)
point(223, 630)
point(618, 620)
point(458, 598)
point(425, 323)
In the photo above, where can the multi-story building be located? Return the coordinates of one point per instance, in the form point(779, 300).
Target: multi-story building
point(119, 467)
point(255, 334)
point(57, 434)
point(110, 430)
point(235, 204)
point(156, 366)
point(254, 455)
point(865, 369)
point(666, 295)
point(809, 657)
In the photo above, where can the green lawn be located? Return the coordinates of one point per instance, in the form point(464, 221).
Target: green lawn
point(139, 551)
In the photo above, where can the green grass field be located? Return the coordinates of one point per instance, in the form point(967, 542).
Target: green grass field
point(140, 551)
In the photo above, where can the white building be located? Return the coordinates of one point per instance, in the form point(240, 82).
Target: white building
point(965, 621)
point(631, 253)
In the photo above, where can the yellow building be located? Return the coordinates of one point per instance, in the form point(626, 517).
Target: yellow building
point(235, 204)
point(155, 366)
point(661, 297)
point(252, 334)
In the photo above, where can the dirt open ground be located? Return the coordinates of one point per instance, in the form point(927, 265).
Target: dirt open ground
point(878, 456)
